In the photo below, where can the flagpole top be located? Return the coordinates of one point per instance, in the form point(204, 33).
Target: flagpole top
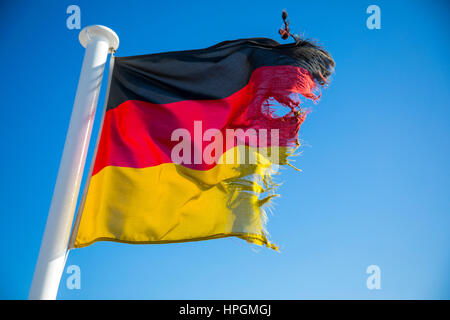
point(97, 32)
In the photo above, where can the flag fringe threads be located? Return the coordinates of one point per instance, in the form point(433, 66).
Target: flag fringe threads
point(250, 188)
point(280, 89)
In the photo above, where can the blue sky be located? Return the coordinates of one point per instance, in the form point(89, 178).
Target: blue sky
point(375, 182)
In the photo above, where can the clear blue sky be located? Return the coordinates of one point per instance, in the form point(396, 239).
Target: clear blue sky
point(375, 182)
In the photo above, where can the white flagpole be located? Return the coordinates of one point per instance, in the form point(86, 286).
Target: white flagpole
point(98, 41)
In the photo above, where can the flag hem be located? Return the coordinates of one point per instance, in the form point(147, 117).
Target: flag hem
point(258, 239)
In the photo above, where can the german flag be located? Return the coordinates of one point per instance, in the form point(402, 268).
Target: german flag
point(190, 140)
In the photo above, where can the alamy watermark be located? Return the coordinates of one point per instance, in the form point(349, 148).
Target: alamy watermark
point(74, 20)
point(374, 280)
point(212, 153)
point(374, 20)
point(74, 280)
